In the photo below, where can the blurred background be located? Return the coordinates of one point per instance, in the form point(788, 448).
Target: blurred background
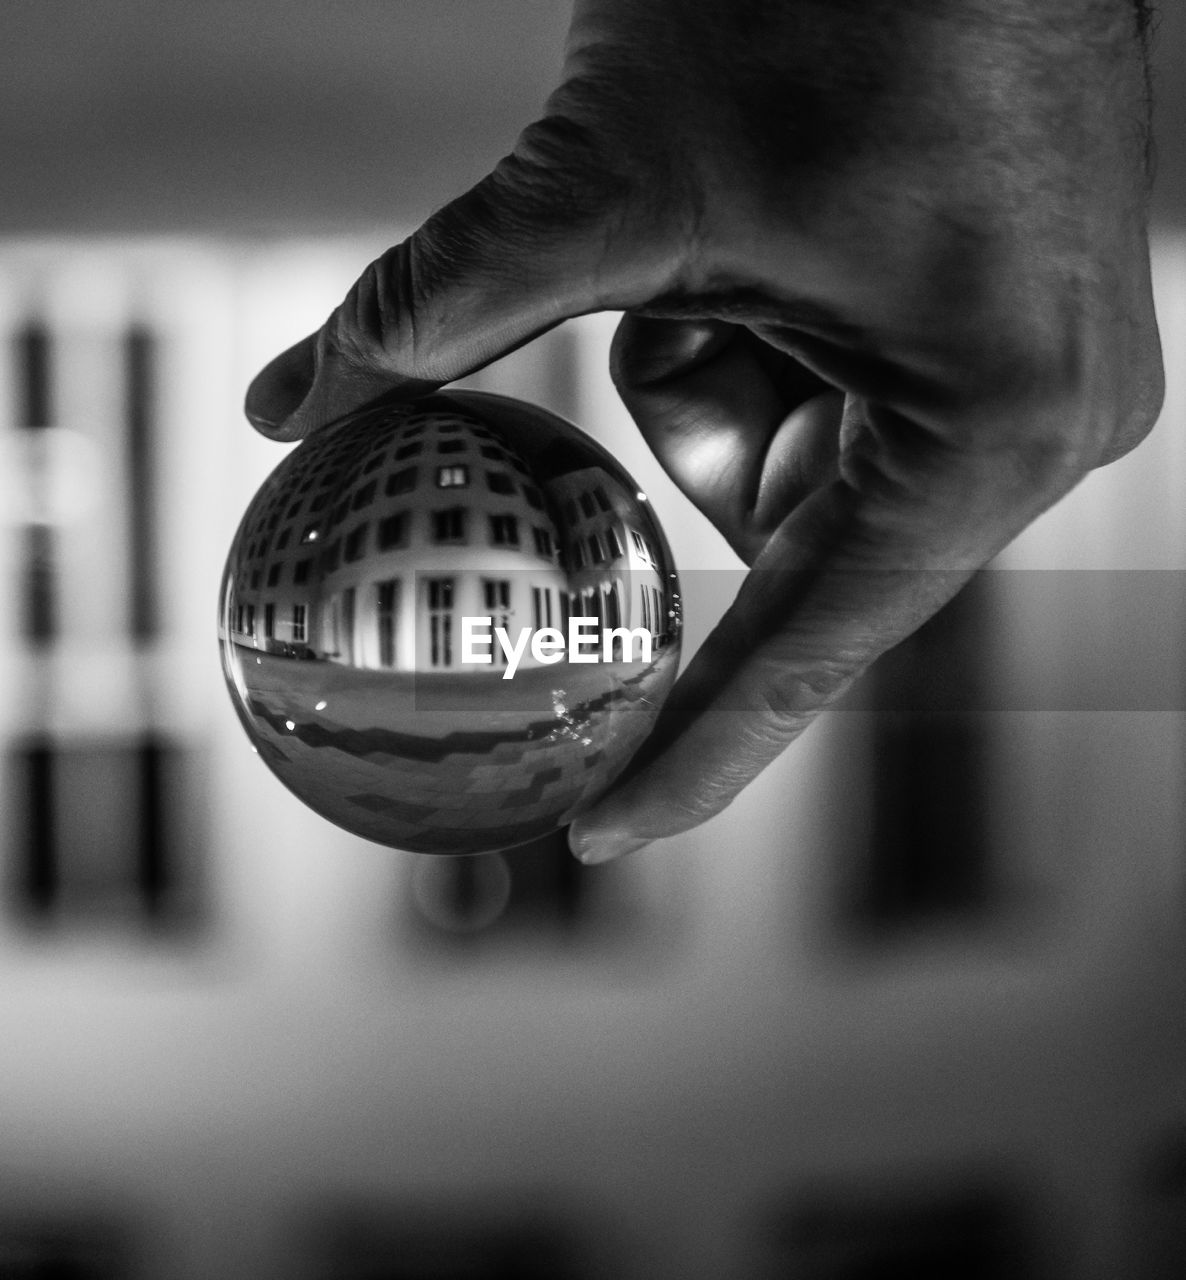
point(912, 1007)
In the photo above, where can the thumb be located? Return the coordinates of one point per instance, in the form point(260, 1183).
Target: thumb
point(514, 256)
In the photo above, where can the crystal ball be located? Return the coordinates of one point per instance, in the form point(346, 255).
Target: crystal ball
point(447, 624)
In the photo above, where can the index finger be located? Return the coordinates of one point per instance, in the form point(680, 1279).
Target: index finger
point(524, 249)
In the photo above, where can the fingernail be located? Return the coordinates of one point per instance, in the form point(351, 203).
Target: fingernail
point(258, 421)
point(593, 847)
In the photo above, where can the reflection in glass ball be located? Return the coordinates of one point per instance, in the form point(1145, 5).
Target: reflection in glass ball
point(448, 624)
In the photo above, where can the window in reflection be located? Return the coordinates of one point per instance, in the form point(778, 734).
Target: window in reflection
point(543, 542)
point(355, 544)
point(504, 530)
point(449, 525)
point(402, 481)
point(347, 600)
point(541, 606)
point(496, 600)
point(392, 531)
point(439, 597)
point(386, 597)
point(496, 595)
point(453, 477)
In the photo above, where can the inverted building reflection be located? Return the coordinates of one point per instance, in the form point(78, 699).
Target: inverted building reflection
point(463, 593)
point(378, 540)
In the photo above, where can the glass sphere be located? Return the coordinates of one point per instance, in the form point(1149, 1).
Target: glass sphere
point(448, 624)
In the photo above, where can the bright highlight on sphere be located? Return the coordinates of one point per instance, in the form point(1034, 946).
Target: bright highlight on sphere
point(447, 625)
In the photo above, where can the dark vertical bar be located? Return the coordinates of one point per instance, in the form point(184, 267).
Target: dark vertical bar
point(140, 365)
point(929, 849)
point(40, 836)
point(34, 361)
point(152, 762)
point(464, 888)
point(930, 838)
point(39, 616)
point(548, 885)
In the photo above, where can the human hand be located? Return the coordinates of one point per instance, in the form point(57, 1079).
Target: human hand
point(886, 281)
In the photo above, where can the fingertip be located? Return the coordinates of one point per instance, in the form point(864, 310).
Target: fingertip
point(280, 388)
point(594, 845)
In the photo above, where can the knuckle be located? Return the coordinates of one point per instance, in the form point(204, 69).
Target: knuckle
point(558, 164)
point(366, 327)
point(379, 327)
point(788, 700)
point(1071, 406)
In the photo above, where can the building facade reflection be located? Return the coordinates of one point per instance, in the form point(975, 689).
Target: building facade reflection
point(381, 538)
point(369, 563)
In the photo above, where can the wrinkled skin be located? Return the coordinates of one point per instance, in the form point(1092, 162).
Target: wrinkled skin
point(885, 271)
